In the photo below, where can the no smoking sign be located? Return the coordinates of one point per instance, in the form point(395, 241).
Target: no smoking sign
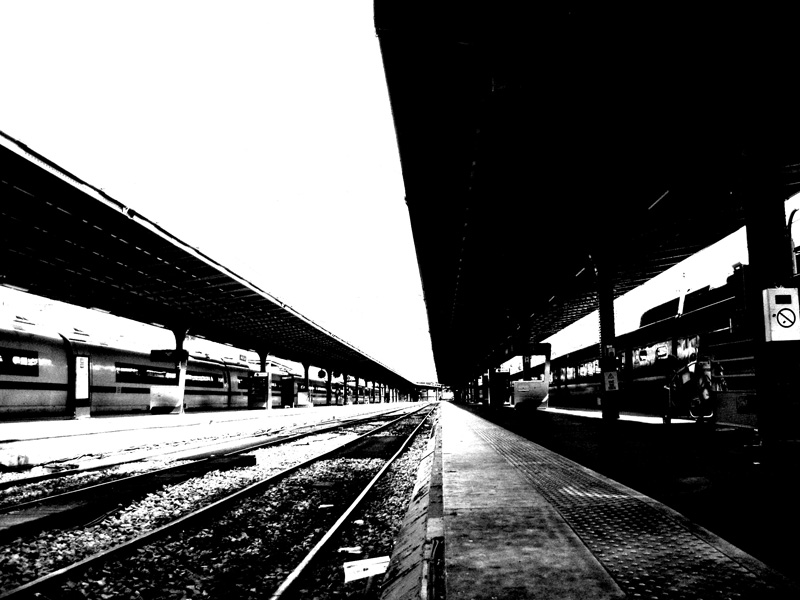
point(781, 309)
point(786, 317)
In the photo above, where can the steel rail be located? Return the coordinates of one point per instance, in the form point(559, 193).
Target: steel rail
point(184, 521)
point(295, 575)
point(109, 488)
point(67, 472)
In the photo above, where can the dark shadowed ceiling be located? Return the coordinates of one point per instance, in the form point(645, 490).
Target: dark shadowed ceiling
point(538, 141)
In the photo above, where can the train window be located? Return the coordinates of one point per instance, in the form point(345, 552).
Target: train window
point(19, 362)
point(687, 347)
point(643, 357)
point(128, 373)
point(195, 379)
point(243, 383)
point(158, 375)
point(649, 355)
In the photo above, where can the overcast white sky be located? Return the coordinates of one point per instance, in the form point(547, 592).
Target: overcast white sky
point(259, 132)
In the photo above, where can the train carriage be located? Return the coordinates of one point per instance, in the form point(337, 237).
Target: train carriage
point(46, 373)
point(33, 372)
point(214, 385)
point(127, 381)
point(677, 364)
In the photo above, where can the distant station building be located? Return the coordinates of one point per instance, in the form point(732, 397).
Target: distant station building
point(429, 392)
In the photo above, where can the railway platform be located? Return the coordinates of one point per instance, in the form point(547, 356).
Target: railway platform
point(521, 521)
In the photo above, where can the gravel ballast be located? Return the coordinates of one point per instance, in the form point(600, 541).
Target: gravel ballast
point(283, 512)
point(23, 560)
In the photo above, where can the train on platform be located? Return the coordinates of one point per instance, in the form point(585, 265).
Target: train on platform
point(691, 357)
point(46, 373)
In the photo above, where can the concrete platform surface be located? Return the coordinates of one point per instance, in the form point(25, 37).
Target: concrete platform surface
point(524, 522)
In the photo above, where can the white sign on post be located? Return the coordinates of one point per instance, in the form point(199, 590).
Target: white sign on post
point(781, 312)
point(81, 378)
point(611, 381)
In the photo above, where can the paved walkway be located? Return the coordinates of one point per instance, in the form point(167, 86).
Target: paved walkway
point(524, 522)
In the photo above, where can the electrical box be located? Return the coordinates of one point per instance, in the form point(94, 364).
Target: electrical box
point(289, 389)
point(498, 388)
point(781, 310)
point(530, 391)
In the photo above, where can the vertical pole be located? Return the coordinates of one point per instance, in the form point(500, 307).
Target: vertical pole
point(526, 367)
point(328, 389)
point(306, 383)
point(181, 363)
point(547, 348)
point(609, 393)
point(771, 265)
point(547, 370)
point(345, 391)
point(269, 387)
point(355, 400)
point(255, 402)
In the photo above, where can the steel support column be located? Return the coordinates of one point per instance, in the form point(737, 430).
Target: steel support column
point(306, 384)
point(328, 388)
point(181, 364)
point(252, 401)
point(609, 391)
point(771, 265)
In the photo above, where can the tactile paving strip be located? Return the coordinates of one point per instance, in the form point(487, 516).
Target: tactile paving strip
point(649, 553)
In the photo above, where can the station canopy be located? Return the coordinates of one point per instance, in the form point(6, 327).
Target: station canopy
point(540, 140)
point(64, 239)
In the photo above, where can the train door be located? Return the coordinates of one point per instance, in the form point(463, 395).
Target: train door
point(226, 377)
point(81, 388)
point(289, 391)
point(79, 378)
point(499, 384)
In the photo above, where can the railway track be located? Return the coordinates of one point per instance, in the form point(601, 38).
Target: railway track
point(361, 444)
point(290, 585)
point(84, 503)
point(172, 448)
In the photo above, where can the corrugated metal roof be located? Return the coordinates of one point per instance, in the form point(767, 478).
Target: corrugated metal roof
point(64, 239)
